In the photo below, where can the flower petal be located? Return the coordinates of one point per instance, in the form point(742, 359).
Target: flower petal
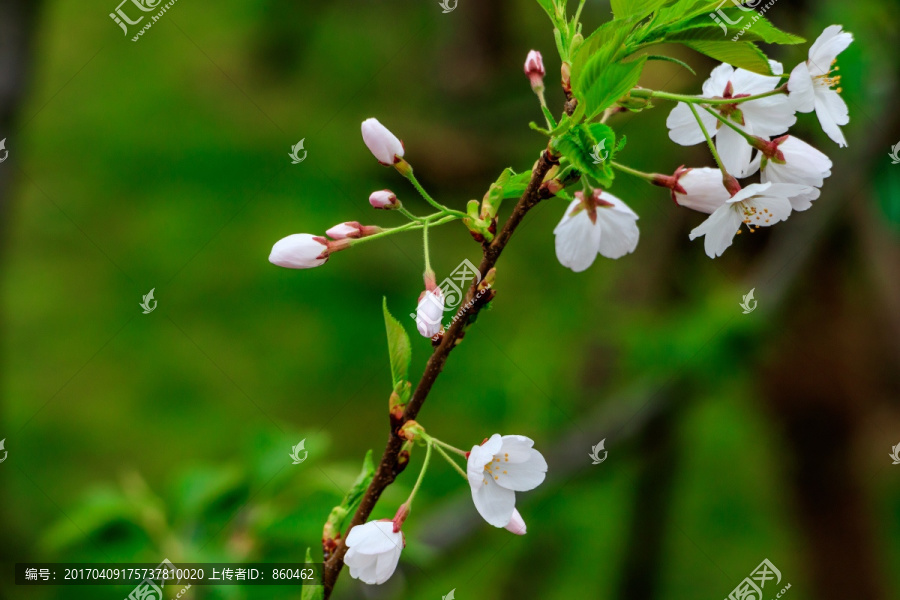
point(800, 89)
point(619, 232)
point(827, 46)
point(734, 151)
point(718, 80)
point(494, 503)
point(719, 229)
point(683, 128)
point(577, 239)
point(832, 112)
point(769, 116)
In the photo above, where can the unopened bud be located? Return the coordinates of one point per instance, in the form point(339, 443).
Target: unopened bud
point(384, 199)
point(411, 430)
point(534, 68)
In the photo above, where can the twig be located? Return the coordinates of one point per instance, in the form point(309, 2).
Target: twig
point(388, 467)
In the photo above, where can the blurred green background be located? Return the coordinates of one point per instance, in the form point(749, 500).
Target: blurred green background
point(163, 164)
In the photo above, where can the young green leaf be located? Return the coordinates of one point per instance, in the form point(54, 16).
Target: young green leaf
point(587, 148)
point(398, 346)
point(311, 592)
point(758, 29)
point(612, 83)
point(638, 9)
point(670, 59)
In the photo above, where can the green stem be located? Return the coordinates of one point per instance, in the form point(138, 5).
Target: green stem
point(412, 179)
point(421, 474)
point(635, 172)
point(425, 245)
point(409, 215)
point(449, 447)
point(450, 460)
point(751, 139)
point(709, 142)
point(642, 93)
point(419, 224)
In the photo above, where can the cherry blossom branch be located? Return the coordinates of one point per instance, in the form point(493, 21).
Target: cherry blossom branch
point(644, 93)
point(389, 467)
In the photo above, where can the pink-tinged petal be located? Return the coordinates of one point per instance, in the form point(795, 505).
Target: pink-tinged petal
point(383, 144)
point(430, 313)
point(718, 230)
point(517, 524)
point(577, 239)
point(683, 128)
point(733, 149)
point(494, 503)
point(299, 251)
point(800, 88)
point(826, 48)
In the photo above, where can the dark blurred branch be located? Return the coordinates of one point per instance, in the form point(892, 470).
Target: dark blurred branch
point(17, 26)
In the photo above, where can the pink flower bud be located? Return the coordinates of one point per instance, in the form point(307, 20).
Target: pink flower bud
point(350, 229)
point(534, 68)
point(384, 199)
point(516, 524)
point(381, 142)
point(300, 251)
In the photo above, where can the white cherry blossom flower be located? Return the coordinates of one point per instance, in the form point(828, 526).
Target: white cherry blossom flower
point(386, 147)
point(811, 83)
point(497, 469)
point(765, 117)
point(757, 205)
point(373, 551)
point(791, 160)
point(600, 224)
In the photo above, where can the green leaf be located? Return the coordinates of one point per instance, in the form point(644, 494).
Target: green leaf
point(635, 8)
point(579, 145)
point(758, 29)
point(744, 55)
point(398, 346)
point(615, 81)
point(311, 592)
point(597, 51)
